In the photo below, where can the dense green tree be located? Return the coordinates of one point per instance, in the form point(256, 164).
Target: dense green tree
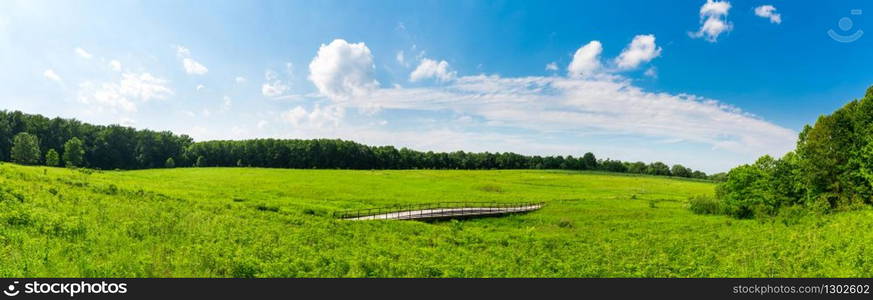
point(170, 163)
point(74, 153)
point(637, 167)
point(119, 147)
point(831, 167)
point(201, 162)
point(748, 190)
point(25, 149)
point(588, 161)
point(680, 171)
point(698, 175)
point(52, 159)
point(658, 168)
point(613, 166)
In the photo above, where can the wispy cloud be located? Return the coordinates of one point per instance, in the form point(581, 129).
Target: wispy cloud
point(769, 12)
point(191, 66)
point(82, 53)
point(51, 75)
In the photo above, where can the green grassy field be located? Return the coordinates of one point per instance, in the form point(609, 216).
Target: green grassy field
point(215, 222)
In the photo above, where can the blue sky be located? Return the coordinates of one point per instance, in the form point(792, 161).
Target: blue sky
point(708, 84)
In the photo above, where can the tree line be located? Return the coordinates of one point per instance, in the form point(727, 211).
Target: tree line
point(831, 168)
point(37, 140)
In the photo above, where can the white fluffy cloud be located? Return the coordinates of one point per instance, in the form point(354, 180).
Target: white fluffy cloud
point(342, 70)
point(82, 53)
point(641, 50)
point(274, 87)
point(51, 75)
point(713, 20)
point(115, 65)
point(240, 79)
point(769, 11)
point(429, 68)
point(602, 106)
point(191, 66)
point(124, 94)
point(586, 60)
point(318, 117)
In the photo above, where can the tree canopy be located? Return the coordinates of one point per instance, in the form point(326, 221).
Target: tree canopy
point(25, 149)
point(831, 168)
point(118, 147)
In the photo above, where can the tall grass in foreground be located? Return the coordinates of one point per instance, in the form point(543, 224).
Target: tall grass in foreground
point(243, 222)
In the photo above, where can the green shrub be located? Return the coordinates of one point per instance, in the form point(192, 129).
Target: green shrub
point(705, 205)
point(794, 214)
point(263, 207)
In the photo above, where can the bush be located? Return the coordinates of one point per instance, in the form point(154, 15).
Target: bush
point(705, 205)
point(749, 191)
point(794, 214)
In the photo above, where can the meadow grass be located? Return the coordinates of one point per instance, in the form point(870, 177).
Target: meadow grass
point(247, 222)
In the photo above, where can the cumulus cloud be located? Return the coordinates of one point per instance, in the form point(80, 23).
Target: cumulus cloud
point(124, 95)
point(191, 66)
point(429, 68)
point(240, 79)
point(342, 70)
point(642, 49)
point(82, 53)
point(51, 75)
point(769, 11)
point(586, 60)
point(115, 65)
point(713, 20)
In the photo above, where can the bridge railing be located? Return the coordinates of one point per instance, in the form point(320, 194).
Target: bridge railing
point(440, 209)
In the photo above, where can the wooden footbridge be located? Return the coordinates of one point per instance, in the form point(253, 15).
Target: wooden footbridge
point(441, 210)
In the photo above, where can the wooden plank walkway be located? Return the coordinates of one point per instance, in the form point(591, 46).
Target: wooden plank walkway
point(446, 213)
